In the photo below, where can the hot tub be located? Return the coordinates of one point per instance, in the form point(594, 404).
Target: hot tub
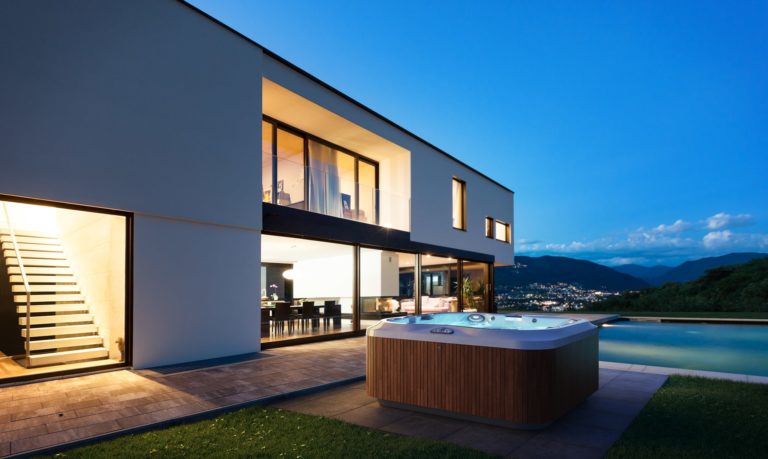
point(522, 371)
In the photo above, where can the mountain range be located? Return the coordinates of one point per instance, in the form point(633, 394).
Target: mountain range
point(688, 271)
point(594, 276)
point(551, 270)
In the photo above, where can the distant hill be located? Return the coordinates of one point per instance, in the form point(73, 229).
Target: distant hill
point(550, 269)
point(646, 273)
point(691, 270)
point(725, 288)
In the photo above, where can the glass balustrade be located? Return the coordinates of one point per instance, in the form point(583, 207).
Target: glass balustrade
point(323, 190)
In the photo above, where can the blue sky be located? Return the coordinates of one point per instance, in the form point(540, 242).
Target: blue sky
point(630, 131)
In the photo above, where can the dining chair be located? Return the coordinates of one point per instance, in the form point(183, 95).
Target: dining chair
point(308, 314)
point(282, 317)
point(265, 322)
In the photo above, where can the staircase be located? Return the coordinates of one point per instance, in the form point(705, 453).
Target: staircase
point(61, 330)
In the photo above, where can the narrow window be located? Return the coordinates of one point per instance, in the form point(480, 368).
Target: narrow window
point(459, 204)
point(266, 162)
point(489, 227)
point(502, 231)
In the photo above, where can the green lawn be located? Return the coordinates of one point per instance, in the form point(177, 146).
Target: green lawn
point(687, 418)
point(699, 418)
point(269, 432)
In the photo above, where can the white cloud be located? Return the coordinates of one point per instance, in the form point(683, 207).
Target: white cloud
point(678, 226)
point(665, 243)
point(716, 239)
point(722, 220)
point(618, 261)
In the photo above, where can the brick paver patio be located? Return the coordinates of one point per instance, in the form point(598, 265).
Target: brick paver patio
point(58, 412)
point(49, 413)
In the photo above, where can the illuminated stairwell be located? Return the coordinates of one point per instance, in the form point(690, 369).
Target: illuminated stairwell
point(61, 329)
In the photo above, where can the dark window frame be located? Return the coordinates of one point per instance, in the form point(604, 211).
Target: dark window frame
point(277, 124)
point(462, 204)
point(128, 298)
point(490, 228)
point(507, 232)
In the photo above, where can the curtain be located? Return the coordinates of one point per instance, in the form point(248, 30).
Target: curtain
point(324, 188)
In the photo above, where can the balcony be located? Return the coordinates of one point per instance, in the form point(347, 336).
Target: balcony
point(330, 189)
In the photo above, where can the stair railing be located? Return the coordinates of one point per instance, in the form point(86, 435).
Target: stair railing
point(24, 280)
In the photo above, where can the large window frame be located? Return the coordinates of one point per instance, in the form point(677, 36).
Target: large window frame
point(357, 299)
point(127, 361)
point(307, 137)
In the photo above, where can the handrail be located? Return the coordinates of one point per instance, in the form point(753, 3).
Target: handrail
point(23, 272)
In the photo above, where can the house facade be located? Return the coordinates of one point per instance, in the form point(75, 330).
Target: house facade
point(171, 191)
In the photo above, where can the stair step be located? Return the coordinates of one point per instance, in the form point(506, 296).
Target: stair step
point(40, 308)
point(29, 254)
point(34, 288)
point(26, 233)
point(38, 262)
point(16, 279)
point(56, 298)
point(59, 343)
point(38, 360)
point(59, 330)
point(56, 319)
point(31, 240)
point(41, 270)
point(33, 247)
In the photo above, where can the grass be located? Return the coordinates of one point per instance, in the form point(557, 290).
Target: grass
point(699, 418)
point(269, 432)
point(671, 314)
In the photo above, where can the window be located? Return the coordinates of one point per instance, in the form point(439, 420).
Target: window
point(459, 204)
point(489, 227)
point(305, 172)
point(267, 144)
point(502, 231)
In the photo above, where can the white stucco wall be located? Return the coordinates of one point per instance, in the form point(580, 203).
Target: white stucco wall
point(432, 202)
point(200, 298)
point(148, 107)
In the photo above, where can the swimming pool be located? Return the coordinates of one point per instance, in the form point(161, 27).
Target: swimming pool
point(712, 347)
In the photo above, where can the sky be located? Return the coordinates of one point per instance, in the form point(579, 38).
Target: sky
point(631, 132)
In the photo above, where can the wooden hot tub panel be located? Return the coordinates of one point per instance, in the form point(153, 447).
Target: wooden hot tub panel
point(521, 387)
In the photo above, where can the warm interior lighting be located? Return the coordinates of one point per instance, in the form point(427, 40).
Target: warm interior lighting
point(30, 217)
point(288, 274)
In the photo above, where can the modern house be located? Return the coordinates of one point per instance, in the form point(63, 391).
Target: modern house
point(171, 191)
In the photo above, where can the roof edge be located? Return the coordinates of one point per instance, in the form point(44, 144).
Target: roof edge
point(337, 92)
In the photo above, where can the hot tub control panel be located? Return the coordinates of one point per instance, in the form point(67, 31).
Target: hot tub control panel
point(442, 331)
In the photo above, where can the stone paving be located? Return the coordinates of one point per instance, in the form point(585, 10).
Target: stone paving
point(586, 432)
point(58, 412)
point(49, 413)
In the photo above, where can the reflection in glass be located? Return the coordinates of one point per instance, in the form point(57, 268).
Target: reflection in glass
point(367, 178)
point(290, 170)
point(439, 284)
point(266, 161)
point(386, 284)
point(474, 286)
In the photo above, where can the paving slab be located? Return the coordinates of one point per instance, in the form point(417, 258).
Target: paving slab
point(587, 432)
point(58, 412)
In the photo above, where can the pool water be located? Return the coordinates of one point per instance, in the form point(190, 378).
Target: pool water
point(712, 347)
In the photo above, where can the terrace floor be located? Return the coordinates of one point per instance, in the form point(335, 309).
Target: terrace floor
point(50, 414)
point(587, 432)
